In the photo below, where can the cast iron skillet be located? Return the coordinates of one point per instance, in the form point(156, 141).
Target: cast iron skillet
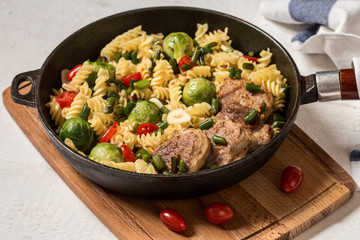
point(87, 42)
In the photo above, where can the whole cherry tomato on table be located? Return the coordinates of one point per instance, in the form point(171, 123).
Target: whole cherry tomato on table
point(146, 128)
point(291, 178)
point(173, 219)
point(218, 213)
point(66, 98)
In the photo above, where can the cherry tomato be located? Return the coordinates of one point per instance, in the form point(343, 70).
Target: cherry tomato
point(73, 72)
point(66, 98)
point(253, 59)
point(218, 213)
point(146, 128)
point(291, 178)
point(129, 155)
point(184, 60)
point(135, 76)
point(109, 133)
point(173, 219)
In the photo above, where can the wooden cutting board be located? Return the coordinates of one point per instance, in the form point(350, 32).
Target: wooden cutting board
point(261, 209)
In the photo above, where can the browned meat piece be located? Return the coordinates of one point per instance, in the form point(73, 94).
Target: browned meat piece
point(239, 94)
point(189, 145)
point(238, 142)
point(260, 136)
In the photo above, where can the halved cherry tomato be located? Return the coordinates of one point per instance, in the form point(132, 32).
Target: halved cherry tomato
point(218, 213)
point(146, 128)
point(173, 219)
point(129, 155)
point(73, 72)
point(291, 178)
point(66, 98)
point(109, 133)
point(184, 60)
point(135, 76)
point(253, 59)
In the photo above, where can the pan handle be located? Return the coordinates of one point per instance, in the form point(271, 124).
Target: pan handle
point(29, 78)
point(330, 85)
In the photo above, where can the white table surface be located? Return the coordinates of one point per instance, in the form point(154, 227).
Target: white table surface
point(36, 204)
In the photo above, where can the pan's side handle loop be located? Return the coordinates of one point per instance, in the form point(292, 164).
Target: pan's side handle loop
point(29, 78)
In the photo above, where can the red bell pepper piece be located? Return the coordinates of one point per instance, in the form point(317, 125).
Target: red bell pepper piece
point(73, 72)
point(109, 133)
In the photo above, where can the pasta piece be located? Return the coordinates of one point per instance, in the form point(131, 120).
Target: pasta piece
point(143, 167)
point(150, 141)
point(199, 71)
point(163, 73)
point(55, 109)
point(100, 87)
point(79, 78)
point(97, 104)
point(161, 93)
point(126, 166)
point(70, 143)
point(124, 68)
point(76, 106)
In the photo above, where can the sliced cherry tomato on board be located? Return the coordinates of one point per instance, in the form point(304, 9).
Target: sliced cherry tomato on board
point(173, 219)
point(66, 98)
point(146, 128)
point(109, 133)
point(291, 178)
point(184, 60)
point(129, 155)
point(253, 59)
point(73, 72)
point(135, 76)
point(218, 213)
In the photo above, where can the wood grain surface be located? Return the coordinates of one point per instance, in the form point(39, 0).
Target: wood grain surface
point(261, 209)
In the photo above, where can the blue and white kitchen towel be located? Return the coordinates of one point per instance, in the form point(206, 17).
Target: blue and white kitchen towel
point(334, 29)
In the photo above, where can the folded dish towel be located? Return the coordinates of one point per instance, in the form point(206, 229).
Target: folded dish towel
point(334, 30)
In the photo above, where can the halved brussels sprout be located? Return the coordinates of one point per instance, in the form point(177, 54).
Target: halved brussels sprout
point(106, 152)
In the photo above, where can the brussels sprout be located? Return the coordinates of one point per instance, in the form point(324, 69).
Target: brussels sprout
point(198, 90)
point(106, 152)
point(177, 45)
point(79, 131)
point(145, 111)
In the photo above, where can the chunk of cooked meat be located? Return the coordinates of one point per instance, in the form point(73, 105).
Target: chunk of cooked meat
point(260, 136)
point(239, 94)
point(238, 142)
point(189, 145)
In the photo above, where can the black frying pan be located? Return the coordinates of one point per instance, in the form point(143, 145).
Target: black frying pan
point(87, 42)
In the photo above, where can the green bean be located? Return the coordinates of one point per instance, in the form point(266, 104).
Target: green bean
point(174, 162)
point(131, 104)
point(213, 166)
point(117, 56)
point(108, 109)
point(211, 45)
point(158, 162)
point(138, 155)
point(111, 101)
point(174, 66)
point(278, 124)
point(85, 112)
point(134, 59)
point(278, 117)
point(119, 111)
point(215, 106)
point(202, 60)
point(112, 94)
point(206, 124)
point(262, 107)
point(163, 125)
point(219, 140)
point(145, 155)
point(250, 117)
point(232, 72)
point(127, 56)
point(182, 166)
point(248, 66)
point(142, 84)
point(196, 44)
point(166, 172)
point(195, 56)
point(286, 89)
point(238, 73)
point(252, 87)
point(251, 54)
point(186, 67)
point(157, 55)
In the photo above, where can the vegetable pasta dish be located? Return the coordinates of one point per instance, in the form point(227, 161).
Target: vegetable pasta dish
point(170, 104)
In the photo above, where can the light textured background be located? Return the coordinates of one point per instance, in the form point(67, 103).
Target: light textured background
point(36, 204)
